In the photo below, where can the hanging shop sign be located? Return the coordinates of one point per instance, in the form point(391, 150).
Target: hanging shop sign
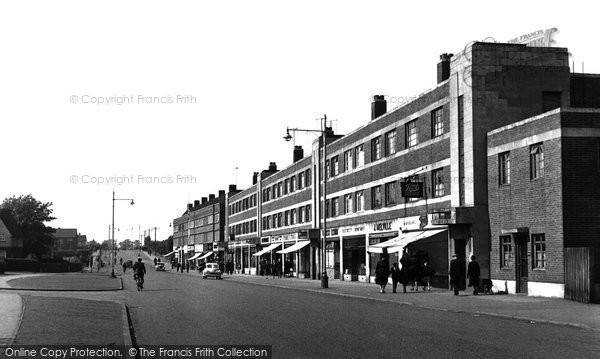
point(412, 189)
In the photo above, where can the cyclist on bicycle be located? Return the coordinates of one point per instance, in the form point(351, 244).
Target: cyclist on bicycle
point(139, 269)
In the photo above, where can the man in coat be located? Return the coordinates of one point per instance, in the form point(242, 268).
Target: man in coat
point(473, 273)
point(454, 274)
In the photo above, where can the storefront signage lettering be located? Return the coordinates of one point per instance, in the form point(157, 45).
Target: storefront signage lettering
point(539, 38)
point(412, 189)
point(382, 226)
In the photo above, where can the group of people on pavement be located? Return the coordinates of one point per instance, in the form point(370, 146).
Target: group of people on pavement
point(274, 268)
point(413, 273)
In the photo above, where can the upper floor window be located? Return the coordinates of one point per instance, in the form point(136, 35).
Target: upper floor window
point(359, 201)
point(437, 122)
point(335, 207)
point(376, 200)
point(286, 186)
point(308, 177)
point(335, 168)
point(390, 193)
point(412, 138)
point(437, 178)
point(536, 161)
point(390, 143)
point(301, 180)
point(293, 217)
point(308, 212)
point(348, 203)
point(359, 156)
point(504, 168)
point(506, 252)
point(348, 158)
point(538, 241)
point(292, 184)
point(375, 148)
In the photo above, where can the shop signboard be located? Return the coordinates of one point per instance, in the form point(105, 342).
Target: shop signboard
point(411, 189)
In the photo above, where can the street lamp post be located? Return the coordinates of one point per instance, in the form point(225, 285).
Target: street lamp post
point(112, 262)
point(323, 132)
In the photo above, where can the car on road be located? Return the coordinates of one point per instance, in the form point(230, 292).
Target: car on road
point(160, 267)
point(212, 270)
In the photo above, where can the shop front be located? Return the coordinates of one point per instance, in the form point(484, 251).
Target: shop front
point(295, 257)
point(332, 254)
point(243, 261)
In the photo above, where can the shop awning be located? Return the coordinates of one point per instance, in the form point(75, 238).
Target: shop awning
point(195, 256)
point(206, 255)
point(294, 247)
point(398, 243)
point(170, 253)
point(267, 249)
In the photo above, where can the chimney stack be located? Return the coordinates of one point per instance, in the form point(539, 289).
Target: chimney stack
point(190, 207)
point(272, 167)
point(378, 106)
point(232, 188)
point(196, 203)
point(443, 68)
point(204, 200)
point(211, 197)
point(221, 193)
point(298, 153)
point(254, 178)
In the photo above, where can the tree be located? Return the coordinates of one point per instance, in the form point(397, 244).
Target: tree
point(31, 216)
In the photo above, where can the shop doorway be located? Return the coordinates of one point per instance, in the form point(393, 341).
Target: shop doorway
point(521, 262)
point(460, 249)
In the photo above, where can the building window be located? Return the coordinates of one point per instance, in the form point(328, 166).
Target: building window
point(300, 180)
point(376, 197)
point(390, 143)
point(538, 241)
point(390, 193)
point(536, 161)
point(287, 218)
point(359, 201)
point(348, 158)
point(275, 221)
point(268, 195)
point(335, 207)
point(437, 178)
point(279, 188)
point(411, 134)
point(437, 122)
point(504, 168)
point(292, 184)
point(359, 157)
point(327, 209)
point(274, 188)
point(301, 215)
point(308, 216)
point(348, 203)
point(279, 219)
point(375, 148)
point(506, 252)
point(308, 178)
point(292, 217)
point(335, 168)
point(286, 186)
point(328, 168)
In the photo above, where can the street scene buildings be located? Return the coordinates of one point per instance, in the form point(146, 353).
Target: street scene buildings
point(499, 160)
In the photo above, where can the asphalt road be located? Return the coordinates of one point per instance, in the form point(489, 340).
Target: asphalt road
point(187, 310)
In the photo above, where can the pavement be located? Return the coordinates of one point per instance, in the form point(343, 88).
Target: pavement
point(28, 300)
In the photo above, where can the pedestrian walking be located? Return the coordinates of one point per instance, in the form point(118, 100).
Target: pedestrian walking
point(473, 273)
point(187, 267)
point(413, 271)
point(396, 273)
point(124, 267)
point(427, 274)
point(382, 272)
point(454, 274)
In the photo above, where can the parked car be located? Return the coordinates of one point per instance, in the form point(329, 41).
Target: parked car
point(212, 270)
point(160, 267)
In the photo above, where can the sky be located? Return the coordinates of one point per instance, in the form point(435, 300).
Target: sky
point(167, 102)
